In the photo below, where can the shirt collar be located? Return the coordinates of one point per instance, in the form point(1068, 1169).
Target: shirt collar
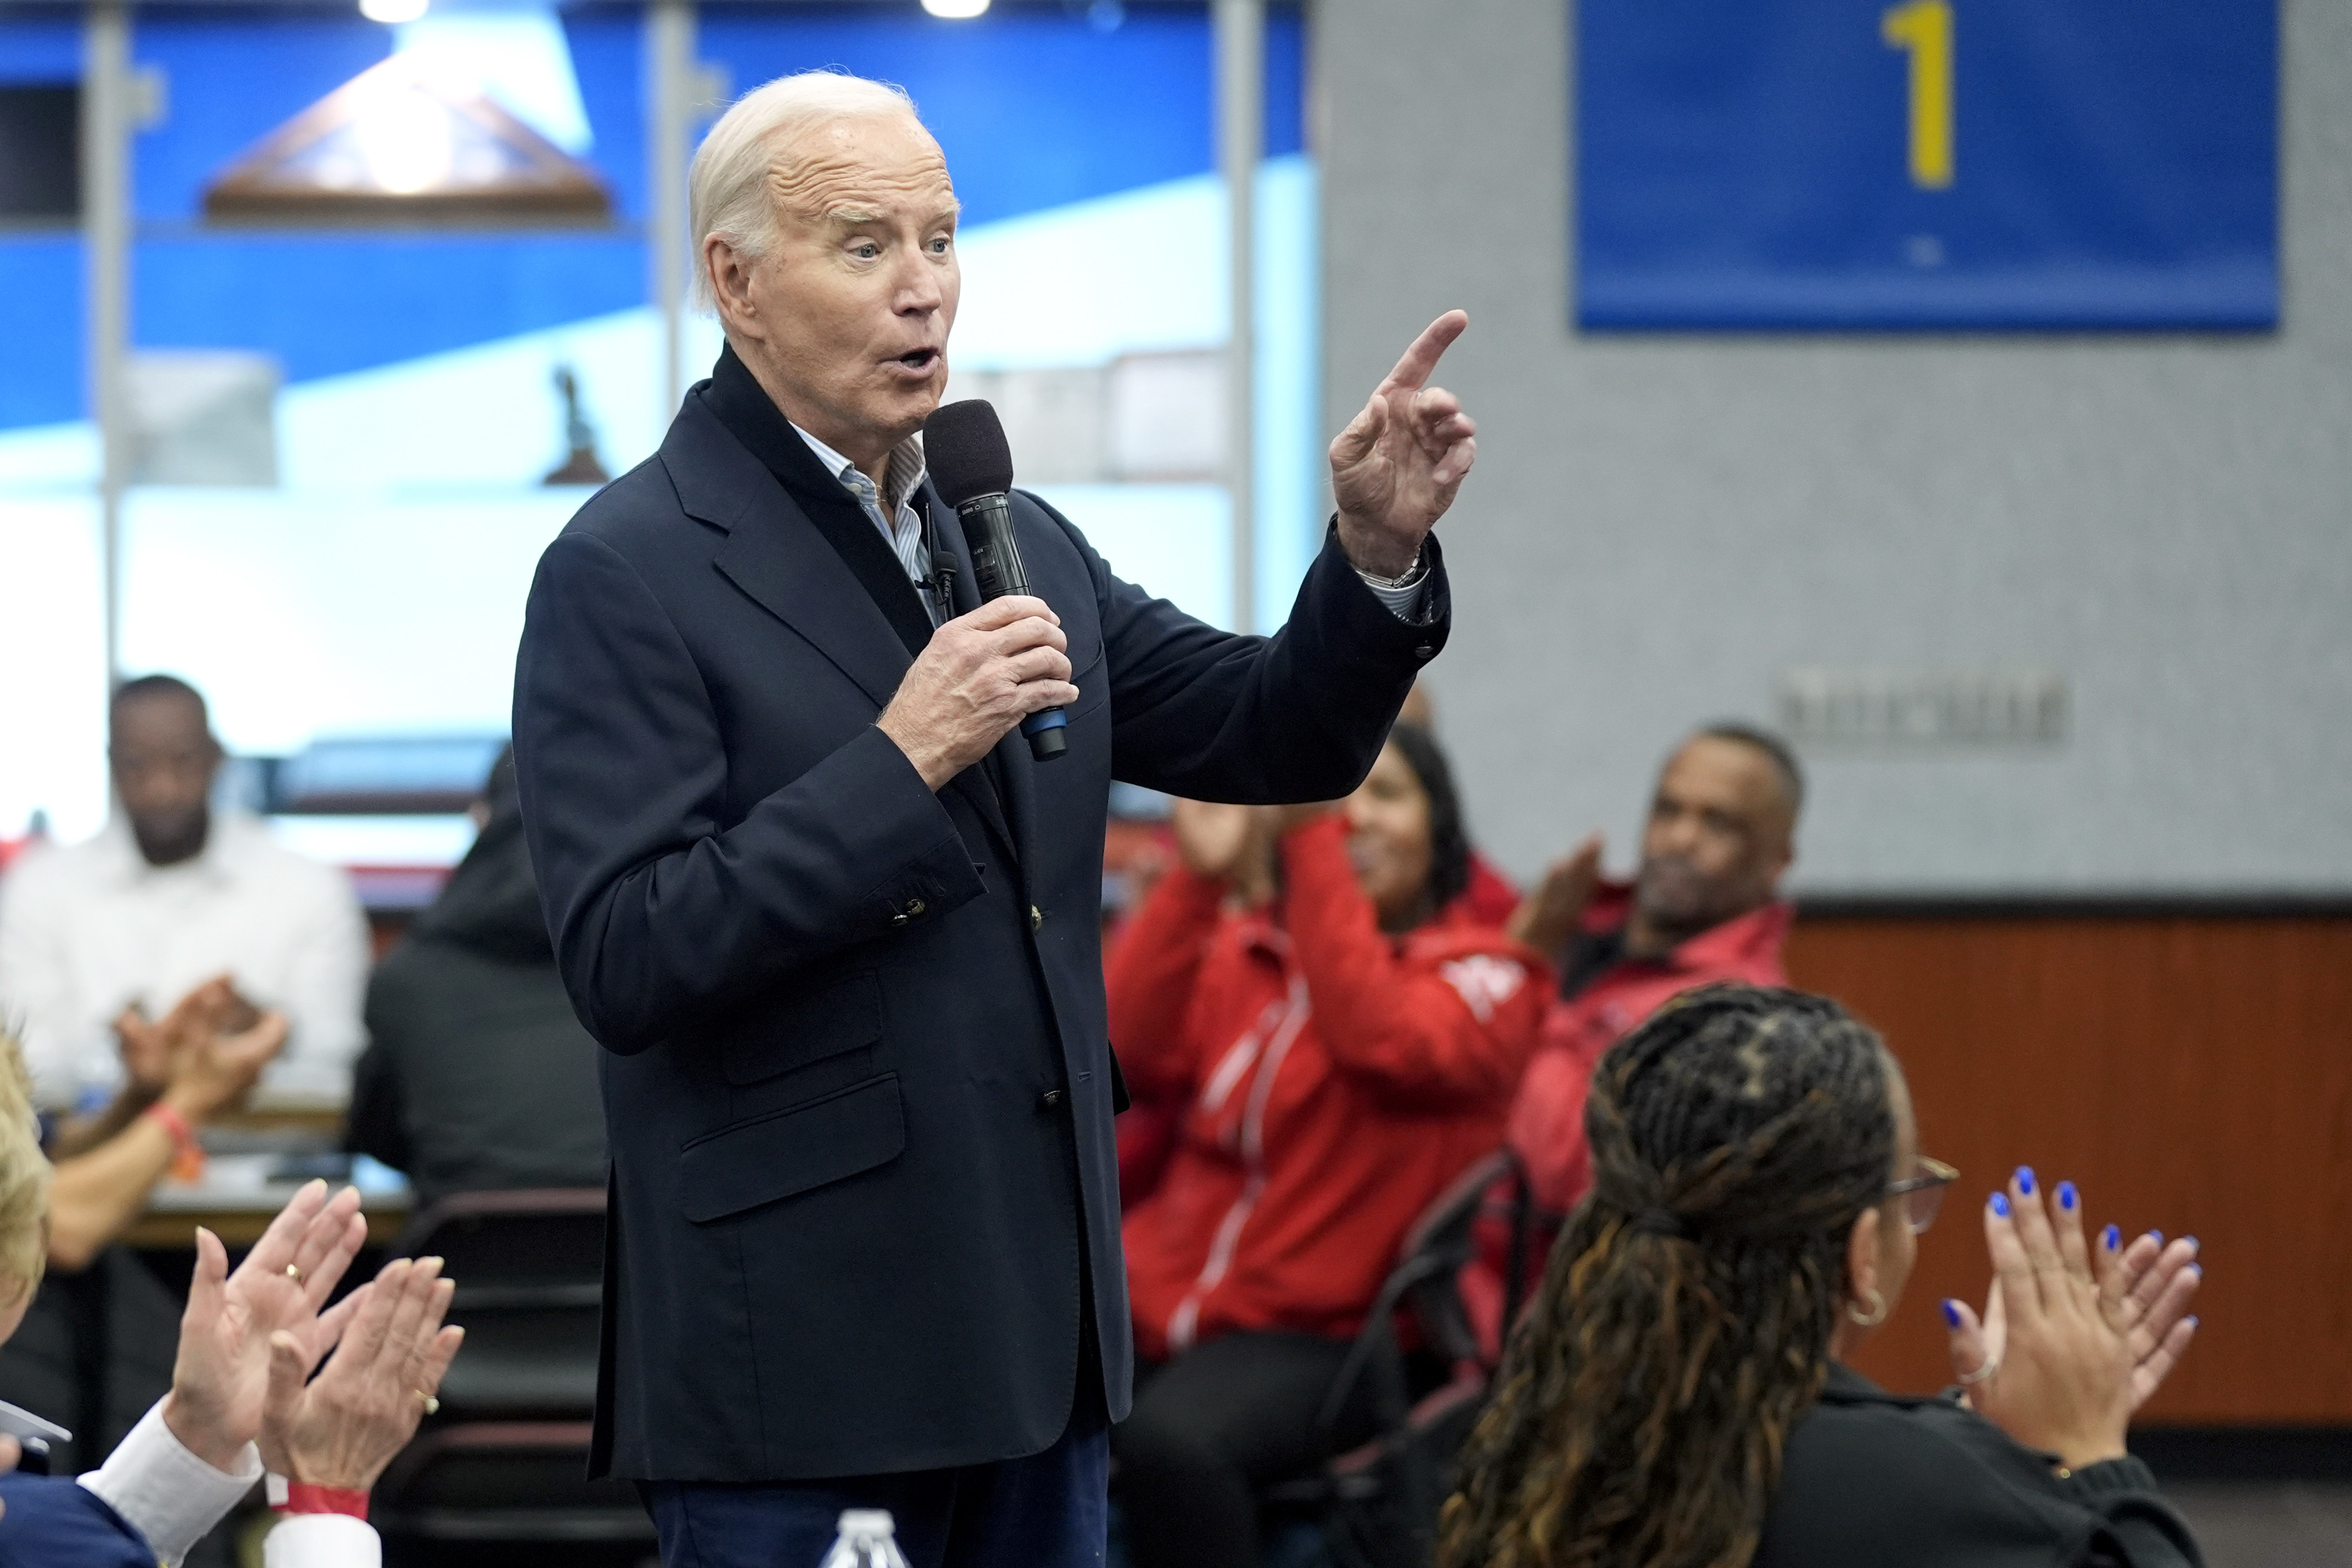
point(900, 479)
point(1743, 938)
point(215, 862)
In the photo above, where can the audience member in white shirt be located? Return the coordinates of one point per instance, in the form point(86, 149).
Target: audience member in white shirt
point(239, 1398)
point(97, 939)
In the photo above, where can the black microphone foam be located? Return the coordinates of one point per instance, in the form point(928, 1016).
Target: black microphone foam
point(965, 450)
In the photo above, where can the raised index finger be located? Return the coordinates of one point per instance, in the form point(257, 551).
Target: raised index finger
point(1422, 358)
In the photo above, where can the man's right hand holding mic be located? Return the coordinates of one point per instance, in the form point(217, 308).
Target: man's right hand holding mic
point(980, 674)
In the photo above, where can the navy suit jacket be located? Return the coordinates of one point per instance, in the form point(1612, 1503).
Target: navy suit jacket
point(855, 1072)
point(53, 1522)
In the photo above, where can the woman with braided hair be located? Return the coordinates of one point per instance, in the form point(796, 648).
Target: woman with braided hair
point(1676, 1397)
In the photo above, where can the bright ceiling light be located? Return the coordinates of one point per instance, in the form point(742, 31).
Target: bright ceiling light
point(393, 13)
point(404, 141)
point(955, 10)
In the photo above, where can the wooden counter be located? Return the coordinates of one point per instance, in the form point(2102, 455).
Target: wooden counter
point(2190, 1071)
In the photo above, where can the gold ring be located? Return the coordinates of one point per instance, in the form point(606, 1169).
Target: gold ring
point(294, 1272)
point(432, 1406)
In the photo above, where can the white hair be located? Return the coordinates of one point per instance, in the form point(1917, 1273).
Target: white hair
point(728, 188)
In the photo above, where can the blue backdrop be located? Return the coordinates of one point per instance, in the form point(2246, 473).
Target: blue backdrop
point(1034, 105)
point(2072, 163)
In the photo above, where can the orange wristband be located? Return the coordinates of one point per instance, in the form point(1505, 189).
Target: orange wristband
point(187, 1155)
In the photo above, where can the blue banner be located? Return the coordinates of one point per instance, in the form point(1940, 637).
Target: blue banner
point(1966, 164)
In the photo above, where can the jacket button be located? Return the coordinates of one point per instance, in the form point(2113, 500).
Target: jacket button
point(915, 907)
point(897, 919)
point(1050, 1100)
point(1424, 651)
point(1037, 917)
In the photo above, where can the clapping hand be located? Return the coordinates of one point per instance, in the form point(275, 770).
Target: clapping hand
point(146, 1047)
point(1395, 467)
point(2151, 1281)
point(2061, 1359)
point(1550, 914)
point(217, 1068)
point(342, 1427)
point(2155, 1282)
point(1215, 839)
point(222, 1372)
point(152, 1048)
point(203, 1055)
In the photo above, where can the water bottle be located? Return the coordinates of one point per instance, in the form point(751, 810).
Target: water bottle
point(867, 1540)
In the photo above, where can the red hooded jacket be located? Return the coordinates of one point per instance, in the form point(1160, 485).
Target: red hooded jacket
point(1546, 1124)
point(1334, 1080)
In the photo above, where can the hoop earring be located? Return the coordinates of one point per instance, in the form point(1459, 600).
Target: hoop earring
point(1875, 1316)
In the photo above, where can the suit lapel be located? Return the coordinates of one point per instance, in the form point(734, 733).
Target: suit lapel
point(786, 567)
point(776, 555)
point(786, 564)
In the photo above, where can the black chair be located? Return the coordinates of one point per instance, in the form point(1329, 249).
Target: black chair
point(505, 1456)
point(1378, 1501)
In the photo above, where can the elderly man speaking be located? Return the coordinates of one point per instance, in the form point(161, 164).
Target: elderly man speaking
point(834, 927)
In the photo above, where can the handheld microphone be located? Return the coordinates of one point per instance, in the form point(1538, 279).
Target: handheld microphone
point(971, 466)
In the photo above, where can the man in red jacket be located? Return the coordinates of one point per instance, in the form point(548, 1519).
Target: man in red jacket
point(1702, 907)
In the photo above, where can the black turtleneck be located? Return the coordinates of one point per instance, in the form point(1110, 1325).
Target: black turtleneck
point(743, 406)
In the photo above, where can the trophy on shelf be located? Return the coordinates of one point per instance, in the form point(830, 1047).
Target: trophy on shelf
point(583, 466)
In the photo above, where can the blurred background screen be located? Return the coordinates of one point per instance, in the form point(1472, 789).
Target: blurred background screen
point(352, 438)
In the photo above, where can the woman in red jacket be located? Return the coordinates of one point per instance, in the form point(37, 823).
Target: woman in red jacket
point(1344, 1047)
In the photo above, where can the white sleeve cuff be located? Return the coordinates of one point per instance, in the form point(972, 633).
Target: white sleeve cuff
point(1407, 597)
point(321, 1541)
point(166, 1493)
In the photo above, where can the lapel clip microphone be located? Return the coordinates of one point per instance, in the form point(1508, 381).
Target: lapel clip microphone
point(971, 467)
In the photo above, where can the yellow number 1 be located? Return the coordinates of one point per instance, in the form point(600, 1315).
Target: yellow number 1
point(1924, 29)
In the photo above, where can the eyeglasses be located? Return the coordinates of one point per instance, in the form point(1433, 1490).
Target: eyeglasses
point(1923, 1194)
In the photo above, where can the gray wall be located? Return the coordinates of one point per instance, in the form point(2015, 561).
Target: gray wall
point(1659, 526)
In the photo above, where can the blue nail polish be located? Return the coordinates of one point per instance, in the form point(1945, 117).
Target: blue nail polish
point(2111, 1238)
point(2066, 1194)
point(2192, 1241)
point(2001, 1204)
point(2197, 1268)
point(1952, 1313)
point(2157, 1236)
point(2190, 1321)
point(2025, 1180)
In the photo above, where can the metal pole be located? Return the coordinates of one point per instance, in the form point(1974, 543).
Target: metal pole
point(670, 92)
point(1240, 139)
point(106, 110)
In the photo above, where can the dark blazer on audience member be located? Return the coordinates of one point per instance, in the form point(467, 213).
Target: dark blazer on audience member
point(478, 1076)
point(1873, 1479)
point(857, 1085)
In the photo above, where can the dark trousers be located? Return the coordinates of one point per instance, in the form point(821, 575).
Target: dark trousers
point(1212, 1427)
point(1047, 1511)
